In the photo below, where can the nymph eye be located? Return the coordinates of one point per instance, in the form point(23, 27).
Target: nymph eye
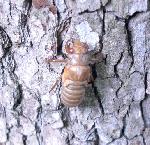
point(69, 50)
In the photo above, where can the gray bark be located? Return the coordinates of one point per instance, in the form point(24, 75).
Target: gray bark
point(114, 112)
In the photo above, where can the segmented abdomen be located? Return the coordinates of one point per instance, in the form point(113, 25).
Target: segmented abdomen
point(72, 95)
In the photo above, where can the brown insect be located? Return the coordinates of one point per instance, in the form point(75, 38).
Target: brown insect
point(39, 3)
point(53, 9)
point(43, 3)
point(77, 74)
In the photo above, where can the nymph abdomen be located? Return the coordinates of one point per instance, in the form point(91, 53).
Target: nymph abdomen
point(73, 94)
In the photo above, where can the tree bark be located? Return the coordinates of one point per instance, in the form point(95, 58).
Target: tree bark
point(115, 111)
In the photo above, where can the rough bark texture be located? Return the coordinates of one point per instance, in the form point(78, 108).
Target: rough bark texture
point(116, 111)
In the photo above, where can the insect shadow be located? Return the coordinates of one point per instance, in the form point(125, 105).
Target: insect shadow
point(93, 96)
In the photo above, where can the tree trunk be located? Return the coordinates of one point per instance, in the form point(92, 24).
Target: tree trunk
point(115, 111)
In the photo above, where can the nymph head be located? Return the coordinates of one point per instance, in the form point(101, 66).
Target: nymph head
point(76, 47)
